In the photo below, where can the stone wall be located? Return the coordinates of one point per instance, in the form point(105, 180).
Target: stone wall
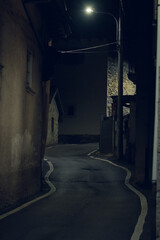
point(129, 88)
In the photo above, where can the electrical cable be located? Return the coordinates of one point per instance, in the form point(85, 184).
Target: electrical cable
point(85, 49)
point(92, 52)
point(122, 6)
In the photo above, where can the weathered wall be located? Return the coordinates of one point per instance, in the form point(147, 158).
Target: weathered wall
point(129, 88)
point(52, 137)
point(20, 107)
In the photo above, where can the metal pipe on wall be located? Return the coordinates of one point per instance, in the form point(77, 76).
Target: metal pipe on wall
point(120, 91)
point(32, 26)
point(157, 96)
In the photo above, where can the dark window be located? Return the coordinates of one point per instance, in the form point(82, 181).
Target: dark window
point(29, 69)
point(71, 110)
point(52, 124)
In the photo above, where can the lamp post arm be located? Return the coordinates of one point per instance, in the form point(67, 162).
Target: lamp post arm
point(116, 21)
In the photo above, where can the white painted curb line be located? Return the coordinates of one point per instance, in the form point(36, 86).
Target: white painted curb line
point(144, 205)
point(52, 190)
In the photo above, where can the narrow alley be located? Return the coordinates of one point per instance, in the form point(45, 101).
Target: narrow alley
point(91, 201)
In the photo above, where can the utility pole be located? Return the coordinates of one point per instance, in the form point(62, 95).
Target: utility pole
point(120, 91)
point(157, 102)
point(119, 24)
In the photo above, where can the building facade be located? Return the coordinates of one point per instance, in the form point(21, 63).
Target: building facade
point(54, 117)
point(20, 106)
point(52, 134)
point(81, 80)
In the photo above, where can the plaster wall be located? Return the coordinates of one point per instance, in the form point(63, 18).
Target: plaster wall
point(20, 109)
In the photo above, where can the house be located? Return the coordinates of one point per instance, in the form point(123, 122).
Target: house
point(20, 106)
point(82, 86)
point(24, 93)
point(55, 114)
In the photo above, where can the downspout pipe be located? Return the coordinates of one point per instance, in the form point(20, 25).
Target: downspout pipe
point(157, 98)
point(40, 45)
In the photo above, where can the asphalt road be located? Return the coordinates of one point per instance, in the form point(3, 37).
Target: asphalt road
point(91, 202)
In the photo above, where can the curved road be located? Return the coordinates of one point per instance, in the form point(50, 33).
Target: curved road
point(91, 202)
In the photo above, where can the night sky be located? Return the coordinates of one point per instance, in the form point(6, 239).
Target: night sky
point(95, 25)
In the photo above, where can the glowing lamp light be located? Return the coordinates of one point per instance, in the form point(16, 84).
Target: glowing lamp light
point(89, 10)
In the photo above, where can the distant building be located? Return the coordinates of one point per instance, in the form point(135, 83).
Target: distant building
point(81, 80)
point(55, 113)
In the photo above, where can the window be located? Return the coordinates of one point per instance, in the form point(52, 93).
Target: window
point(29, 69)
point(52, 124)
point(71, 111)
point(29, 73)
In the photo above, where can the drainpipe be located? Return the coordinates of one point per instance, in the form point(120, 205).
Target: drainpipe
point(120, 91)
point(157, 96)
point(41, 47)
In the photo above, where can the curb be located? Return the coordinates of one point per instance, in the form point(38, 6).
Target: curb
point(144, 205)
point(50, 192)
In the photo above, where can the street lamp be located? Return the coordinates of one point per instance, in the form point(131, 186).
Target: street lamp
point(90, 10)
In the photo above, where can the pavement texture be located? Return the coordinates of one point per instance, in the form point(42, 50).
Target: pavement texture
point(91, 201)
point(149, 232)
